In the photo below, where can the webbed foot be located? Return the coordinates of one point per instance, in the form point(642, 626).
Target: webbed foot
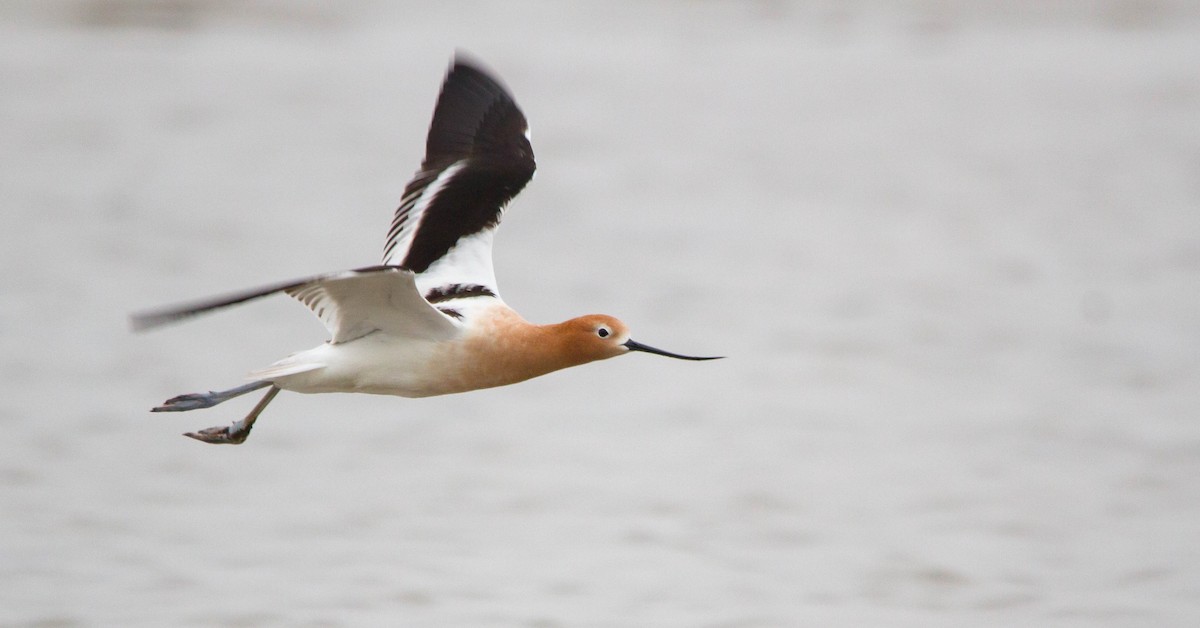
point(235, 434)
point(196, 401)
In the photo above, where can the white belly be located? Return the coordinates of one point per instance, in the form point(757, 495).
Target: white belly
point(497, 349)
point(376, 364)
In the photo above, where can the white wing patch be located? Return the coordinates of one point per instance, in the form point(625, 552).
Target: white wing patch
point(468, 262)
point(412, 210)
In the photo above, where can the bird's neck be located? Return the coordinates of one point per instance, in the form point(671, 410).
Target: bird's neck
point(506, 349)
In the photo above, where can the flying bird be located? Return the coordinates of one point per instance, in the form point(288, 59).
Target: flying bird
point(429, 320)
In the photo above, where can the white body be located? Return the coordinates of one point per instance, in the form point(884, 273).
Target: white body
point(377, 364)
point(429, 321)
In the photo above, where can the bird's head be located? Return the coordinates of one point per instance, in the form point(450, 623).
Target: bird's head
point(598, 337)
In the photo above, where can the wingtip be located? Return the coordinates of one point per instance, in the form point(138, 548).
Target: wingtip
point(143, 322)
point(146, 321)
point(464, 57)
point(464, 61)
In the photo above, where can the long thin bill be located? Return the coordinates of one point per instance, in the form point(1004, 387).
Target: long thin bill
point(637, 346)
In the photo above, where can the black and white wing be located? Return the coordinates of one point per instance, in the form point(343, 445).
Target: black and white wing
point(438, 256)
point(351, 304)
point(477, 158)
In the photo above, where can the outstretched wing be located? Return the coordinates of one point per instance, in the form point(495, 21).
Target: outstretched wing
point(438, 256)
point(477, 158)
point(351, 304)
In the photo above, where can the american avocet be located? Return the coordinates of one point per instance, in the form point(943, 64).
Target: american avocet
point(429, 320)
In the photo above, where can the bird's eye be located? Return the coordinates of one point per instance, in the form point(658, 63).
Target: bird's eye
point(602, 332)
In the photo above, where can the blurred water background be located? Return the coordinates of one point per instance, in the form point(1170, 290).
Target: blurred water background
point(951, 248)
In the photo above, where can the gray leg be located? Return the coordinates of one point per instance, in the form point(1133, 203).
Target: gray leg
point(235, 434)
point(196, 401)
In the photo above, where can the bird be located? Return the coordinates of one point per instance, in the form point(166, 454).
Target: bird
point(429, 319)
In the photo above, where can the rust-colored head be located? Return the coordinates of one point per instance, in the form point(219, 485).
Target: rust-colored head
point(508, 349)
point(598, 337)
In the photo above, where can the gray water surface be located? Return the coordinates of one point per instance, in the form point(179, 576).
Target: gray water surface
point(952, 251)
